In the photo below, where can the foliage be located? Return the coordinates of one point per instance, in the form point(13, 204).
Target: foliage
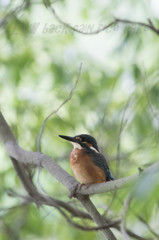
point(118, 85)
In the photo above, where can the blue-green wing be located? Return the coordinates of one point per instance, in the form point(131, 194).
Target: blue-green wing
point(100, 161)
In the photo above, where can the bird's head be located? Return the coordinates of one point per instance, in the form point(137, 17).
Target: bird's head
point(82, 141)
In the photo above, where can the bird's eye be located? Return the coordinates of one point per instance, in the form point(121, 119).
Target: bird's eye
point(78, 138)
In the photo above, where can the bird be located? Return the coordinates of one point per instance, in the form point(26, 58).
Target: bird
point(88, 164)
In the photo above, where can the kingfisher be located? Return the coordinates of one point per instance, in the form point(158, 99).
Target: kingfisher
point(88, 164)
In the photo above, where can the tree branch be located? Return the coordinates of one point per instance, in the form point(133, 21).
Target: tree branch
point(13, 13)
point(148, 25)
point(56, 171)
point(69, 26)
point(39, 198)
point(68, 181)
point(91, 209)
point(148, 226)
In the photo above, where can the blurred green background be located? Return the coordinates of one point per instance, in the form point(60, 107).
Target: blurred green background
point(118, 86)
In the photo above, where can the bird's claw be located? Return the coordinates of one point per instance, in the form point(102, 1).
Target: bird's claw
point(81, 185)
point(86, 185)
point(73, 191)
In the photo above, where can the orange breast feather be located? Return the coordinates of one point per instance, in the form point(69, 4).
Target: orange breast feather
point(84, 169)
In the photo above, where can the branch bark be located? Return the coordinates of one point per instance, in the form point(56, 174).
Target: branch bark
point(38, 198)
point(13, 150)
point(22, 156)
point(16, 152)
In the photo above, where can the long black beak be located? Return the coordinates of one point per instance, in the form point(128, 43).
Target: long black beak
point(71, 139)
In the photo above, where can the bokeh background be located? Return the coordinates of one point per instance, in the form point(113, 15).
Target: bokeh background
point(116, 100)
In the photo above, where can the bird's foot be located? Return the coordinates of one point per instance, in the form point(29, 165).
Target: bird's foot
point(86, 185)
point(73, 191)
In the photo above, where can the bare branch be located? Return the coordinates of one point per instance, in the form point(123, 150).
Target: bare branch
point(56, 171)
point(153, 113)
point(57, 109)
point(108, 186)
point(28, 200)
point(148, 226)
point(149, 26)
point(131, 234)
point(25, 4)
point(69, 26)
point(40, 198)
point(5, 211)
point(68, 181)
point(89, 206)
point(122, 126)
point(118, 157)
point(81, 227)
point(47, 162)
point(48, 201)
point(117, 20)
point(13, 13)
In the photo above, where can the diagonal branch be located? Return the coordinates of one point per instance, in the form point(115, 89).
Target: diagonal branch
point(148, 226)
point(16, 152)
point(39, 198)
point(13, 150)
point(13, 13)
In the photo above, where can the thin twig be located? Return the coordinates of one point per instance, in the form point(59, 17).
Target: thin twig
point(29, 200)
point(48, 201)
point(24, 5)
point(109, 97)
point(118, 157)
point(133, 235)
point(69, 26)
point(57, 109)
point(81, 227)
point(148, 226)
point(128, 207)
point(122, 126)
point(6, 211)
point(150, 107)
point(13, 13)
point(39, 198)
point(117, 20)
point(123, 221)
point(150, 26)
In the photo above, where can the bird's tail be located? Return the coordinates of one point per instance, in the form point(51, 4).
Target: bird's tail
point(109, 176)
